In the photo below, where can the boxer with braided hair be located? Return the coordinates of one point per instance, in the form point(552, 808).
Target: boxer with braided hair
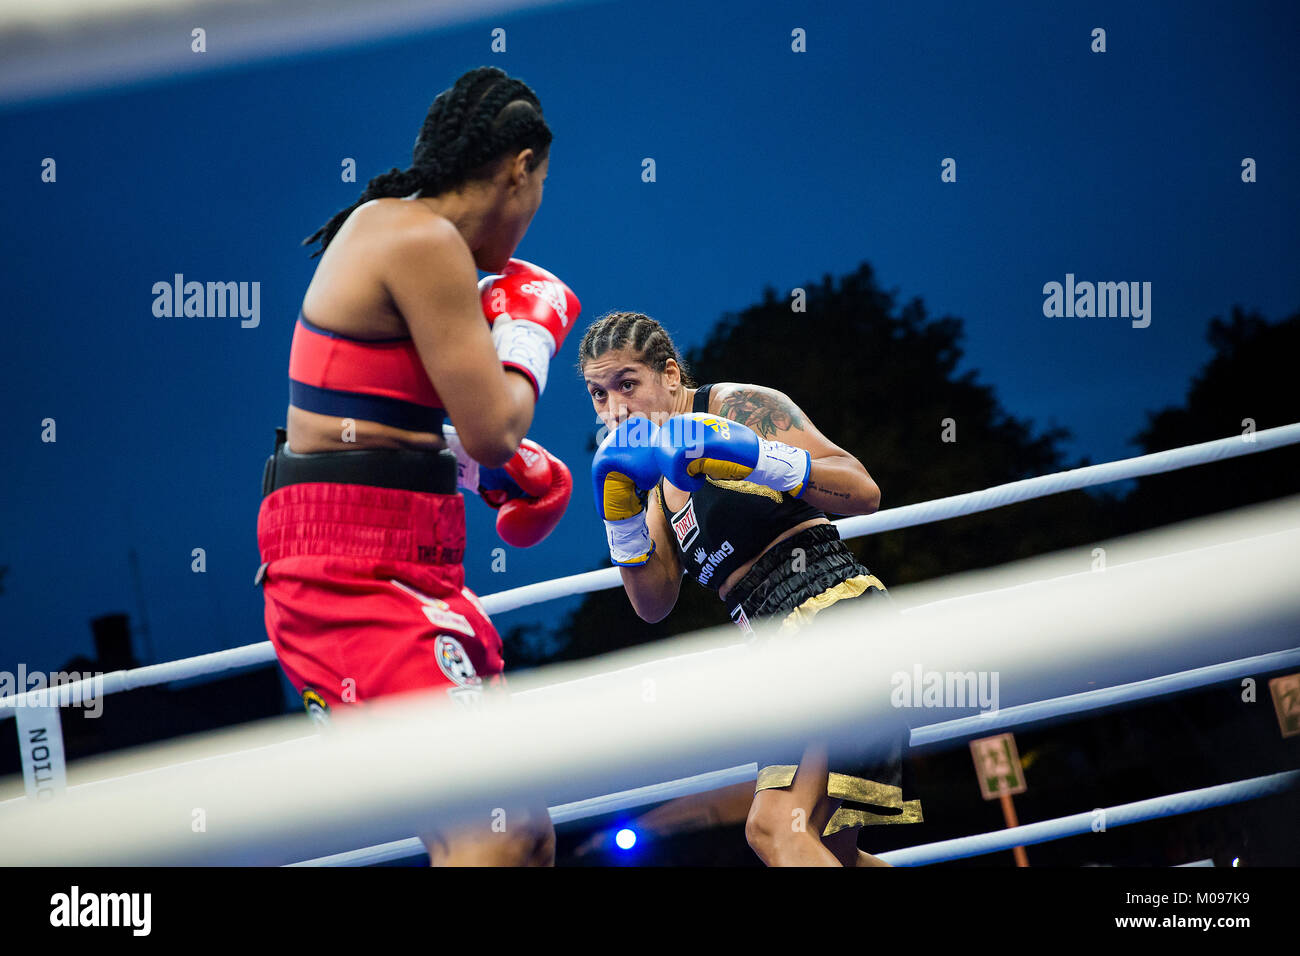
point(469, 126)
point(727, 483)
point(362, 527)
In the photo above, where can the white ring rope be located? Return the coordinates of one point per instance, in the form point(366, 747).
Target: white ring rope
point(891, 519)
point(999, 496)
point(976, 845)
point(931, 734)
point(402, 765)
point(921, 736)
point(1087, 822)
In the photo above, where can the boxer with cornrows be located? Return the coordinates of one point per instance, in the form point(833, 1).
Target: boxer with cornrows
point(362, 526)
point(724, 482)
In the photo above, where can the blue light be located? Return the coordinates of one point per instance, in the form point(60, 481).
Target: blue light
point(626, 839)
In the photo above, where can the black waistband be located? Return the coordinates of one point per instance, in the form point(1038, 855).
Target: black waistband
point(432, 472)
point(778, 583)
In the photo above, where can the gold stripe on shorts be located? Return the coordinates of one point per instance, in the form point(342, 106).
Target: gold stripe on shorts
point(850, 588)
point(853, 790)
point(846, 817)
point(857, 790)
point(839, 785)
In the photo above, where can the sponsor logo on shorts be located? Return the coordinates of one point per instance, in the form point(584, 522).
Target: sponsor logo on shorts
point(448, 620)
point(317, 709)
point(455, 662)
point(437, 554)
point(685, 526)
point(438, 611)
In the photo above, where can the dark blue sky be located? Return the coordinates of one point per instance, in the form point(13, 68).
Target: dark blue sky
point(773, 168)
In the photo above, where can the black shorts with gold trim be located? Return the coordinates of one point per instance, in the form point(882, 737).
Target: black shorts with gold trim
point(875, 786)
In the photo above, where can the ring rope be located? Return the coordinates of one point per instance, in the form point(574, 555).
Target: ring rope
point(379, 776)
point(930, 734)
point(1086, 822)
point(891, 519)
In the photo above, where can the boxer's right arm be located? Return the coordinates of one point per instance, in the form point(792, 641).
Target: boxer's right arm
point(624, 475)
point(430, 275)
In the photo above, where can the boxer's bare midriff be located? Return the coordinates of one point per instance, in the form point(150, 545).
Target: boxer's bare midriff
point(310, 432)
point(741, 571)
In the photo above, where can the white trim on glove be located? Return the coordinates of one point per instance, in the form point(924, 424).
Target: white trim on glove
point(466, 467)
point(781, 466)
point(630, 543)
point(526, 346)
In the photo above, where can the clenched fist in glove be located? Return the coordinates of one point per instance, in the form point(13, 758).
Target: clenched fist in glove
point(530, 312)
point(529, 492)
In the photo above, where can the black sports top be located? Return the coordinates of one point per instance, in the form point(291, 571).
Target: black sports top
point(727, 523)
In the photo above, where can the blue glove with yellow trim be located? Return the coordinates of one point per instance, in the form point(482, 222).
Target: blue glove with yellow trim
point(622, 473)
point(698, 445)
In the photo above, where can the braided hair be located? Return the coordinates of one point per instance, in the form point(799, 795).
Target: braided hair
point(642, 334)
point(469, 127)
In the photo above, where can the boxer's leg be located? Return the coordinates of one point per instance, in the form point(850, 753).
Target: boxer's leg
point(785, 823)
point(468, 656)
point(513, 838)
point(844, 845)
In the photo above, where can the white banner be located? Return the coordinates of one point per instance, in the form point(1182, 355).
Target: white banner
point(40, 738)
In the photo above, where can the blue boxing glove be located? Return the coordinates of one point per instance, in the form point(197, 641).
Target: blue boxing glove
point(698, 445)
point(624, 470)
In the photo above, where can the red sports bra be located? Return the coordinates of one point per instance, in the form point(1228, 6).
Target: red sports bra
point(378, 380)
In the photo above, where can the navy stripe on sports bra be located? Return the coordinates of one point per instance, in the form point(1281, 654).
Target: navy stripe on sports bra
point(372, 408)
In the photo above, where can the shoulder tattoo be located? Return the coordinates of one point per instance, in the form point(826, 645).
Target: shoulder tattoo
point(761, 410)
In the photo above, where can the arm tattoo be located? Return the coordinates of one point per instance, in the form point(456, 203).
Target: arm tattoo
point(813, 486)
point(766, 414)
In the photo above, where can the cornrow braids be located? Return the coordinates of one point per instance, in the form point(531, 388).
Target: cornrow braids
point(469, 127)
point(648, 339)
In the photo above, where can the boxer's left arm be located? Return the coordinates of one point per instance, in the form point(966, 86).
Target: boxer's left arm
point(838, 482)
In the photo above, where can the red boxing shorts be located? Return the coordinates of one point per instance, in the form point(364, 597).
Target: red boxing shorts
point(365, 594)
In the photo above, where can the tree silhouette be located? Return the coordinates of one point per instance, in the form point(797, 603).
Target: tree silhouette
point(880, 380)
point(1249, 380)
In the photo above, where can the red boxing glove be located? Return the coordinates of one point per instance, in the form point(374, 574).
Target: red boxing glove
point(529, 469)
point(530, 312)
point(547, 485)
